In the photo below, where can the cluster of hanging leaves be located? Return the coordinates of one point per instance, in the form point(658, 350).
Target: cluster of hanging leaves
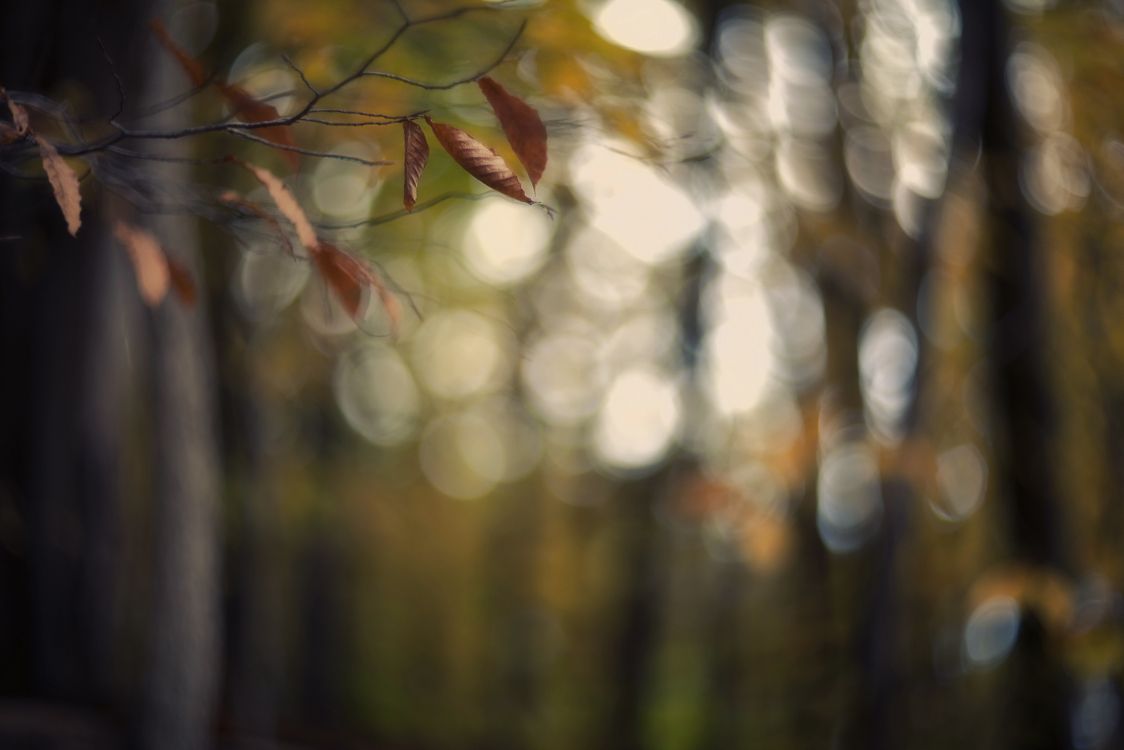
point(155, 271)
point(521, 125)
point(346, 275)
point(243, 105)
point(63, 181)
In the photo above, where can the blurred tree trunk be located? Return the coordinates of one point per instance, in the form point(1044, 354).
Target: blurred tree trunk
point(1036, 701)
point(62, 327)
point(65, 311)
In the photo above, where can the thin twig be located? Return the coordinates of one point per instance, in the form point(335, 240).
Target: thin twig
point(402, 213)
point(307, 151)
point(299, 72)
point(116, 79)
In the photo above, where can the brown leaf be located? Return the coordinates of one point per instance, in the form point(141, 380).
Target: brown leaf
point(478, 160)
point(347, 276)
point(521, 124)
point(182, 282)
point(248, 109)
point(416, 154)
point(149, 262)
point(19, 116)
point(64, 182)
point(190, 65)
point(286, 204)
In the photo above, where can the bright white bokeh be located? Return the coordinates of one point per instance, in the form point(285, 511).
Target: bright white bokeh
point(639, 419)
point(644, 211)
point(506, 242)
point(737, 357)
point(661, 28)
point(459, 353)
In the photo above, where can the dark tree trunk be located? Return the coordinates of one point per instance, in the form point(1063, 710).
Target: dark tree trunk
point(67, 308)
point(1021, 399)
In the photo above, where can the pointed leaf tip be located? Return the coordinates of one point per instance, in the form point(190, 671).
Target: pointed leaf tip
point(416, 154)
point(521, 124)
point(64, 183)
point(286, 203)
point(478, 160)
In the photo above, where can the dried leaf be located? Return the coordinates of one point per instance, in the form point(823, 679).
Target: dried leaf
point(149, 262)
point(64, 182)
point(286, 204)
point(348, 276)
point(248, 109)
point(254, 209)
point(182, 282)
point(416, 154)
point(521, 124)
point(19, 116)
point(190, 65)
point(478, 160)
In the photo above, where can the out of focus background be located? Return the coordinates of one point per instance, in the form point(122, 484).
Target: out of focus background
point(800, 425)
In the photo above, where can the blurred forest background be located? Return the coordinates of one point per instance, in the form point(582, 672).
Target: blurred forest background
point(800, 426)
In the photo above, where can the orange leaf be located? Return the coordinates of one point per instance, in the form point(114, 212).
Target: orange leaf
point(416, 154)
point(19, 116)
point(521, 124)
point(149, 262)
point(64, 182)
point(347, 276)
point(248, 109)
point(190, 65)
point(478, 160)
point(286, 204)
point(182, 282)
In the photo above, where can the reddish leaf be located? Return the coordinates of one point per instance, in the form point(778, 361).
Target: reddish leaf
point(521, 124)
point(190, 65)
point(64, 182)
point(286, 204)
point(478, 160)
point(248, 109)
point(416, 154)
point(182, 282)
point(347, 276)
point(149, 262)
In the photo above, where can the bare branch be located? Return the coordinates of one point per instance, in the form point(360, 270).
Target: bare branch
point(299, 72)
point(402, 213)
point(306, 151)
point(458, 82)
